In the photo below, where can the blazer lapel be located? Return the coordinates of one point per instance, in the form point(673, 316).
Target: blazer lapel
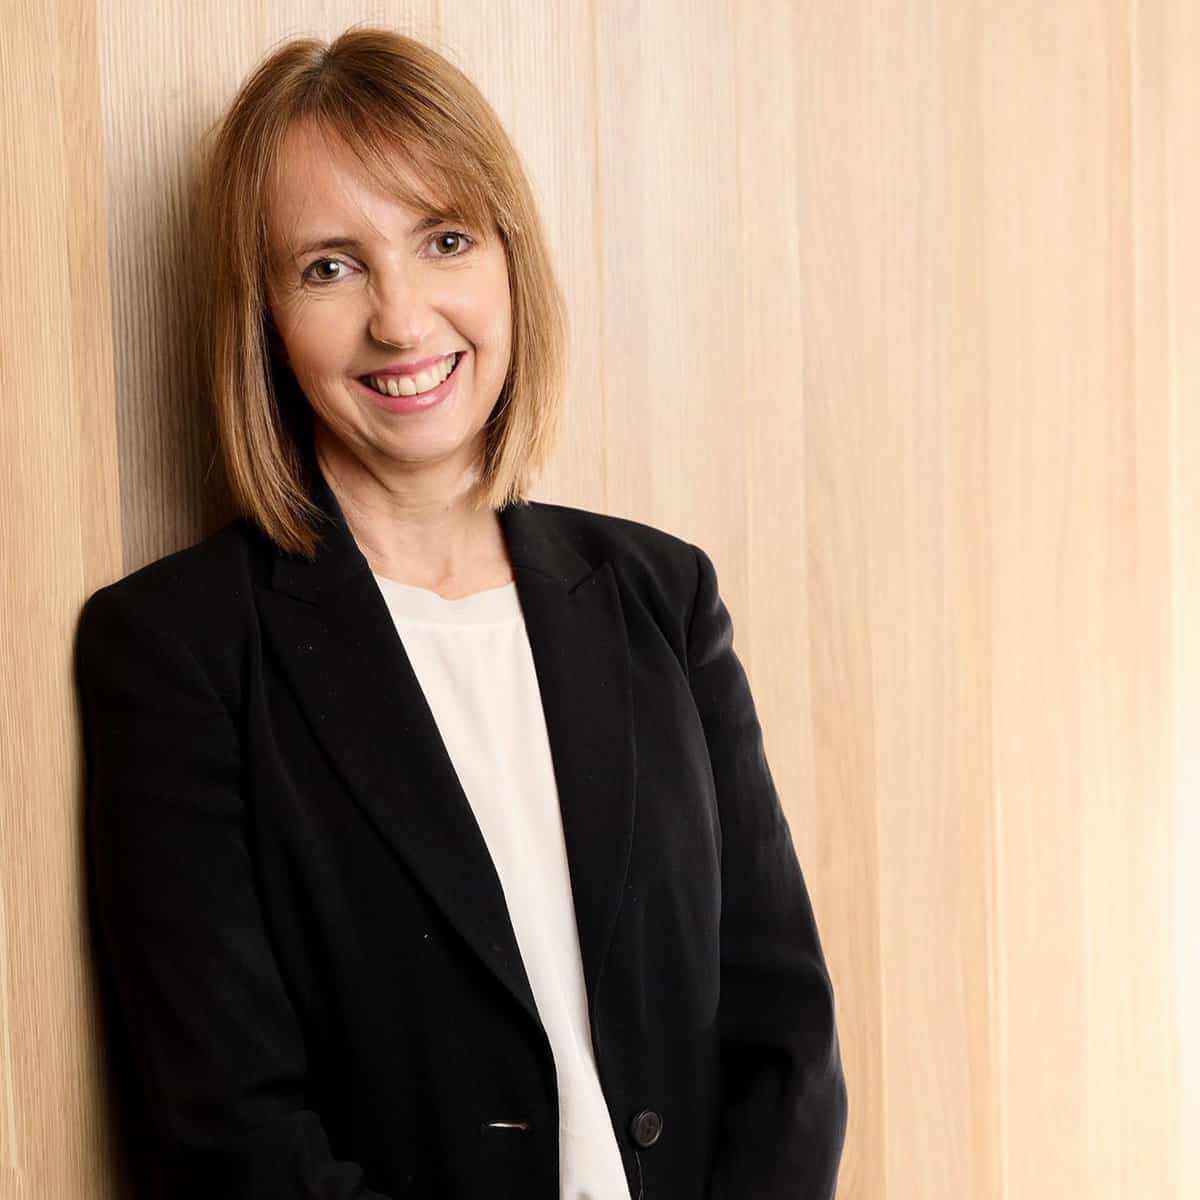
point(580, 647)
point(331, 628)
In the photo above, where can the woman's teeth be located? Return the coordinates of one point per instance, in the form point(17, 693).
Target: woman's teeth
point(414, 385)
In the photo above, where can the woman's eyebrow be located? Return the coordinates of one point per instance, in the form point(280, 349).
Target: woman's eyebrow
point(342, 242)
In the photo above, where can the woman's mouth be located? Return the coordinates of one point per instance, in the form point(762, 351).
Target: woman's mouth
point(413, 385)
point(408, 393)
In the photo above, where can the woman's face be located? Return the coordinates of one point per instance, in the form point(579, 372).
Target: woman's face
point(392, 293)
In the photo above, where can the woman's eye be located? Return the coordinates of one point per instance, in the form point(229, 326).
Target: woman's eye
point(331, 270)
point(450, 235)
point(314, 272)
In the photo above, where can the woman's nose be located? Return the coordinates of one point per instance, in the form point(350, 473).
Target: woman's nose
point(399, 309)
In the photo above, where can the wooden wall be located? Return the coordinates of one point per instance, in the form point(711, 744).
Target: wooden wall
point(893, 307)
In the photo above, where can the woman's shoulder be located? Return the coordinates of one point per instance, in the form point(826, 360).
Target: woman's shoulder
point(191, 609)
point(646, 556)
point(201, 594)
point(218, 564)
point(612, 533)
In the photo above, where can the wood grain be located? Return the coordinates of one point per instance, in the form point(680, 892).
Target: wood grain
point(58, 492)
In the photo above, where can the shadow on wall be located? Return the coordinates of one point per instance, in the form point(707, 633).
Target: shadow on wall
point(173, 488)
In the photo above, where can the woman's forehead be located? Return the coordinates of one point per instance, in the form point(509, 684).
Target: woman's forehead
point(320, 165)
point(321, 179)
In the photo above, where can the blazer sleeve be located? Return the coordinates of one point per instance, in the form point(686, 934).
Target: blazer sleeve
point(784, 1100)
point(213, 1035)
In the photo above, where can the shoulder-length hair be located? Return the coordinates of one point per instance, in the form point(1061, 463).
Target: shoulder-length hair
point(393, 102)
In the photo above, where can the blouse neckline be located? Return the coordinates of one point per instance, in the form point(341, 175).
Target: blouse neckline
point(491, 606)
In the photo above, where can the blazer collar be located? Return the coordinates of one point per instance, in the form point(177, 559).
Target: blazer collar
point(332, 631)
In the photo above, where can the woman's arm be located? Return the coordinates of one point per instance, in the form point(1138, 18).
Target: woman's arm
point(215, 1038)
point(784, 1100)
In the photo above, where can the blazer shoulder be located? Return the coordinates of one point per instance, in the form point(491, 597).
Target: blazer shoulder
point(219, 565)
point(600, 535)
point(201, 594)
point(659, 566)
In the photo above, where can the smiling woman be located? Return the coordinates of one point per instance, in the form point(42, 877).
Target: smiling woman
point(392, 305)
point(434, 843)
point(364, 211)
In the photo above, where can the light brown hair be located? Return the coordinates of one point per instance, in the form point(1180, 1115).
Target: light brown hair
point(394, 102)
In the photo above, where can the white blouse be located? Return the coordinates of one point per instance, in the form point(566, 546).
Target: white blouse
point(472, 659)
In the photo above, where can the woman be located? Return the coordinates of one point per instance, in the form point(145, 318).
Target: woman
point(435, 850)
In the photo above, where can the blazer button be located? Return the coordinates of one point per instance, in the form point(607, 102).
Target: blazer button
point(646, 1127)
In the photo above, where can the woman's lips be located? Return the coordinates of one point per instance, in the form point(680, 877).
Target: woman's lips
point(420, 402)
point(413, 368)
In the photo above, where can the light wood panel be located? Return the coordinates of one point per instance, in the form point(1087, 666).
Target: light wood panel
point(893, 308)
point(58, 541)
point(1179, 232)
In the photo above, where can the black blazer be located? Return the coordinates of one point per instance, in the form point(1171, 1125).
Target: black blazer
point(307, 944)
